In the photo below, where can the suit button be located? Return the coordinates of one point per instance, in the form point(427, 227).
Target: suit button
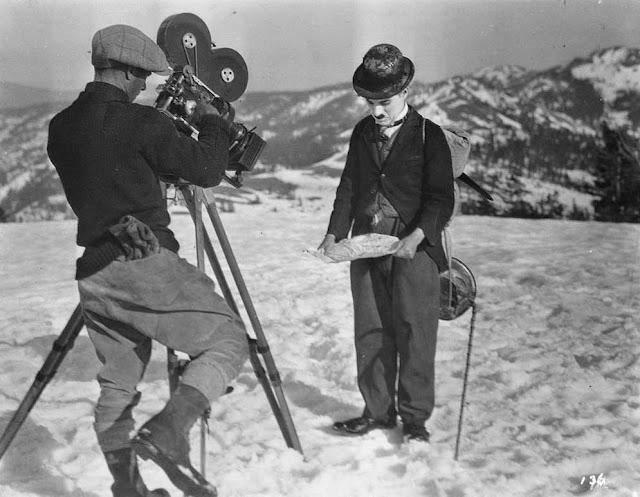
point(383, 175)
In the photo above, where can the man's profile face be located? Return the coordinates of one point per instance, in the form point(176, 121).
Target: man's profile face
point(137, 83)
point(385, 110)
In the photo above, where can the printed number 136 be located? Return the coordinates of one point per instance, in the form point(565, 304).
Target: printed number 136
point(594, 481)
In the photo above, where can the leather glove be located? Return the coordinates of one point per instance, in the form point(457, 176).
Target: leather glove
point(135, 237)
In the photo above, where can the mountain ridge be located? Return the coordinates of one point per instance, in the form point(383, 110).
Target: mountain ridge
point(535, 133)
point(17, 95)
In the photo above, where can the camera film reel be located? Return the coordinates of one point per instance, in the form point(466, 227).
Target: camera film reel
point(185, 39)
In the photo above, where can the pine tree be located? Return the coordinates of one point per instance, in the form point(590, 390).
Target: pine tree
point(617, 179)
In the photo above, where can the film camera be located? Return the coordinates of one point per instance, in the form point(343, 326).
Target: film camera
point(202, 72)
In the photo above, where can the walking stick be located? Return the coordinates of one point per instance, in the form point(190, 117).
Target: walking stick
point(59, 350)
point(466, 373)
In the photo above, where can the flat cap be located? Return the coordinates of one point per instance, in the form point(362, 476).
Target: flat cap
point(127, 45)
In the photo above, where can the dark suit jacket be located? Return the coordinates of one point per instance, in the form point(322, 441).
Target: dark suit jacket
point(417, 179)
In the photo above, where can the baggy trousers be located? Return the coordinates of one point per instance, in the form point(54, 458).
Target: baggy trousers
point(162, 297)
point(396, 307)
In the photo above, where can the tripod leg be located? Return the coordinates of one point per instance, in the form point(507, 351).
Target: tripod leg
point(276, 400)
point(59, 350)
point(197, 214)
point(466, 374)
point(173, 370)
point(197, 207)
point(253, 345)
point(289, 433)
point(175, 366)
point(271, 397)
point(213, 259)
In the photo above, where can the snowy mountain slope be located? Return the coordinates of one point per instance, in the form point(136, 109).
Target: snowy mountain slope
point(16, 96)
point(29, 185)
point(524, 124)
point(553, 395)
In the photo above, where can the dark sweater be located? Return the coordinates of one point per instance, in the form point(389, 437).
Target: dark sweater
point(109, 154)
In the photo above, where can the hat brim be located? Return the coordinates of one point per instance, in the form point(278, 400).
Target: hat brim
point(368, 86)
point(163, 72)
point(101, 63)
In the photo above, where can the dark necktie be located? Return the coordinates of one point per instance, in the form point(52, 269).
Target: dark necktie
point(382, 138)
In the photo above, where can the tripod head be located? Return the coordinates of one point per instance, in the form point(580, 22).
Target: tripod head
point(202, 72)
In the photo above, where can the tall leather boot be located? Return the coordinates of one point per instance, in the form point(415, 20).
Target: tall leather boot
point(123, 466)
point(168, 430)
point(164, 439)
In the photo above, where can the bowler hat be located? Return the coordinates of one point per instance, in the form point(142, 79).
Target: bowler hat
point(127, 45)
point(384, 72)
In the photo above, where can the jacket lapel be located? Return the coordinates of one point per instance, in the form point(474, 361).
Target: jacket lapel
point(369, 141)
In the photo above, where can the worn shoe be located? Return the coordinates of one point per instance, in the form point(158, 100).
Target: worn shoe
point(414, 432)
point(127, 481)
point(362, 425)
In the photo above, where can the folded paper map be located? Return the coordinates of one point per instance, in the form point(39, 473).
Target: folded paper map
point(358, 247)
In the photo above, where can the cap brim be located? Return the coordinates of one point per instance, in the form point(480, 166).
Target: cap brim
point(163, 72)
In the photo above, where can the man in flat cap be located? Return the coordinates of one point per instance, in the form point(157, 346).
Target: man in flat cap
point(397, 181)
point(110, 154)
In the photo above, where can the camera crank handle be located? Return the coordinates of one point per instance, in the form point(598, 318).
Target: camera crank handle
point(235, 181)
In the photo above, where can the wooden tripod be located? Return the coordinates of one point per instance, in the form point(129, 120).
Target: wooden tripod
point(270, 379)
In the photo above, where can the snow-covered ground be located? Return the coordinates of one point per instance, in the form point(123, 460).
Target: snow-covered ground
point(553, 394)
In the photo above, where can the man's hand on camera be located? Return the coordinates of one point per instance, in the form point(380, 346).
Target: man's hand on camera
point(237, 131)
point(203, 109)
point(329, 241)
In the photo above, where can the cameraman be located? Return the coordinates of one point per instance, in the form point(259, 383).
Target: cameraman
point(110, 154)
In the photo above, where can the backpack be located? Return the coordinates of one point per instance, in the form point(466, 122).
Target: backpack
point(459, 142)
point(457, 283)
point(459, 145)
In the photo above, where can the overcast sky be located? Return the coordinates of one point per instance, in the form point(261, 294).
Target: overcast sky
point(300, 44)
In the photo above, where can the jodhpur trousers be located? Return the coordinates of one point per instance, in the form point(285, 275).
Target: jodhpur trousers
point(396, 306)
point(162, 297)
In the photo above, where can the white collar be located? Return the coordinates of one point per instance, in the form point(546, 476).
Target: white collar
point(400, 118)
point(403, 112)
